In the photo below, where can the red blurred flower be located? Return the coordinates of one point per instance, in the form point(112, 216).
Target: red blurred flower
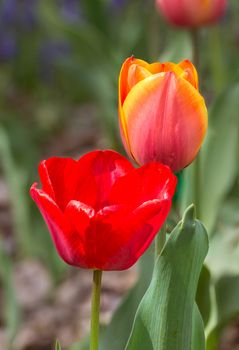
point(192, 13)
point(101, 212)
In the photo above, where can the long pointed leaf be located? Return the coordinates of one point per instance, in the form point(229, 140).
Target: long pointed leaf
point(164, 318)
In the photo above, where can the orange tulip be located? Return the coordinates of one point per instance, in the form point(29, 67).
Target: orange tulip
point(162, 115)
point(192, 13)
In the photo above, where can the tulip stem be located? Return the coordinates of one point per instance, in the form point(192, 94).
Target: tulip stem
point(195, 48)
point(160, 240)
point(215, 51)
point(197, 185)
point(197, 165)
point(95, 310)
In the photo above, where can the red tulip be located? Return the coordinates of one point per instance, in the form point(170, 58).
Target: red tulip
point(101, 212)
point(192, 13)
point(162, 115)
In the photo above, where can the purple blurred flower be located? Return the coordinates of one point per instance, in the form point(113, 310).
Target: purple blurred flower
point(8, 12)
point(19, 13)
point(117, 6)
point(7, 47)
point(28, 13)
point(70, 10)
point(118, 3)
point(51, 52)
point(16, 16)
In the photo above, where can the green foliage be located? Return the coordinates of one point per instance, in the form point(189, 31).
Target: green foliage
point(218, 159)
point(220, 153)
point(222, 260)
point(164, 317)
point(178, 49)
point(198, 336)
point(11, 312)
point(203, 294)
point(57, 345)
point(16, 180)
point(116, 334)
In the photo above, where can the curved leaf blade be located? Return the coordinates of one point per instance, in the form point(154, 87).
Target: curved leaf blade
point(164, 318)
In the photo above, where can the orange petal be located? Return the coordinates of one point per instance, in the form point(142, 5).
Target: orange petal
point(166, 120)
point(172, 67)
point(123, 91)
point(190, 72)
point(155, 68)
point(136, 74)
point(123, 77)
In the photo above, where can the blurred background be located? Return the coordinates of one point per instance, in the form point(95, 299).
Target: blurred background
point(59, 66)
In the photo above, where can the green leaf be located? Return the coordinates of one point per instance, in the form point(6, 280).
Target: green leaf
point(115, 336)
point(58, 345)
point(220, 154)
point(164, 317)
point(198, 336)
point(203, 294)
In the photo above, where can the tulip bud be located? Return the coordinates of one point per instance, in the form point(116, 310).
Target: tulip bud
point(162, 115)
point(192, 13)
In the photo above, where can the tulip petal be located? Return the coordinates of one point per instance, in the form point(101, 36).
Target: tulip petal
point(136, 73)
point(151, 181)
point(60, 228)
point(191, 72)
point(109, 243)
point(124, 241)
point(79, 214)
point(87, 180)
point(219, 9)
point(54, 173)
point(192, 13)
point(123, 77)
point(175, 106)
point(175, 11)
point(123, 91)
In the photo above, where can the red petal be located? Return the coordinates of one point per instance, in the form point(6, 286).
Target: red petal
point(151, 181)
point(87, 180)
point(57, 178)
point(118, 236)
point(58, 226)
point(79, 214)
point(69, 243)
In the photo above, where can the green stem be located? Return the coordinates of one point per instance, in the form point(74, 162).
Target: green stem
point(152, 39)
point(195, 48)
point(95, 310)
point(215, 51)
point(160, 240)
point(197, 185)
point(197, 165)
